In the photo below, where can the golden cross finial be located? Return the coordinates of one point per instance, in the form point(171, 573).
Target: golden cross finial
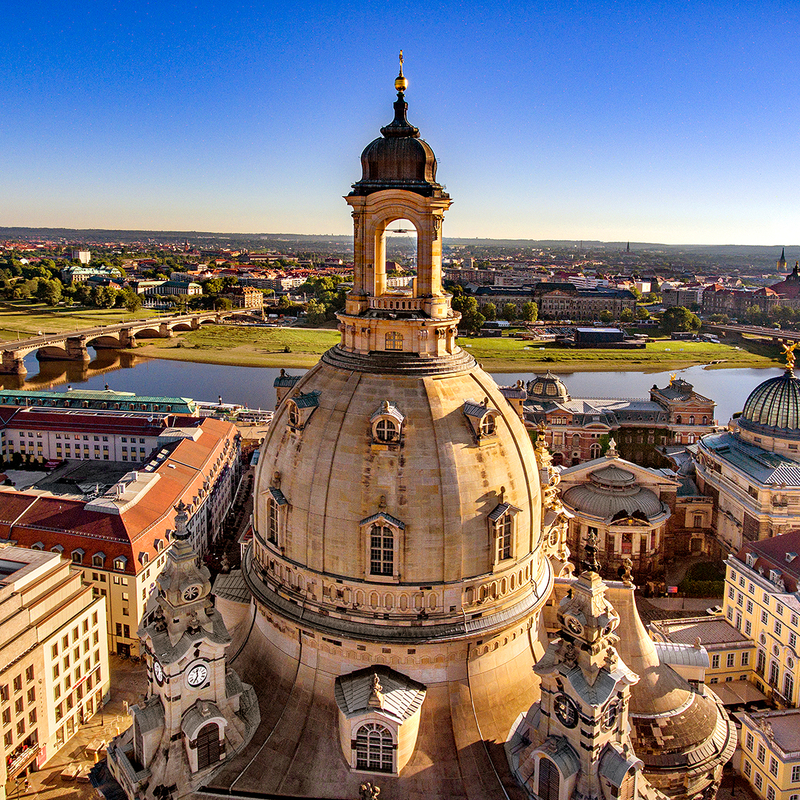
point(400, 82)
point(788, 351)
point(672, 379)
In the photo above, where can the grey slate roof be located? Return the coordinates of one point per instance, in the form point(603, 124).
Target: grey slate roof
point(231, 586)
point(309, 400)
point(606, 411)
point(278, 496)
point(760, 465)
point(473, 409)
point(402, 696)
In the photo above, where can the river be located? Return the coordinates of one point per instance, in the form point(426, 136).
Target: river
point(252, 386)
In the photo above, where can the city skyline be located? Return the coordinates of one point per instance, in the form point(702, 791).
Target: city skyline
point(609, 121)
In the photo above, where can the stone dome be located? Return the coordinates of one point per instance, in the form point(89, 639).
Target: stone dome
point(438, 486)
point(548, 388)
point(773, 407)
point(613, 492)
point(682, 735)
point(398, 159)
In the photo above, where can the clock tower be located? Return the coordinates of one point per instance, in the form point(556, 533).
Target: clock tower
point(575, 742)
point(197, 712)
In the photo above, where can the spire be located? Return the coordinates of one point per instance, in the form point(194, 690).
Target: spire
point(400, 126)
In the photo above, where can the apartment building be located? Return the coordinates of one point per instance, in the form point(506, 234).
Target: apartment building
point(54, 656)
point(120, 538)
point(761, 582)
point(769, 753)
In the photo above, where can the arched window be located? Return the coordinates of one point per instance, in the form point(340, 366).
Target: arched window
point(788, 687)
point(549, 780)
point(374, 748)
point(294, 415)
point(488, 425)
point(381, 550)
point(595, 451)
point(705, 420)
point(208, 749)
point(394, 340)
point(576, 440)
point(678, 419)
point(386, 431)
point(691, 420)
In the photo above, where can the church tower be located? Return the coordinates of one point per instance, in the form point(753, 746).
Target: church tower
point(197, 712)
point(398, 182)
point(575, 742)
point(782, 261)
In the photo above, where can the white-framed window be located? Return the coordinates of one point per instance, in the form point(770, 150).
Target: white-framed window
point(383, 539)
point(381, 550)
point(773, 766)
point(502, 530)
point(796, 773)
point(715, 661)
point(374, 748)
point(749, 741)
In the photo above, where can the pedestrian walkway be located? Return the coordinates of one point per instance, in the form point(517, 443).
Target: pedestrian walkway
point(128, 685)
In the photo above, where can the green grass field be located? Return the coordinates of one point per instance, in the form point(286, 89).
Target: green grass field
point(248, 346)
point(23, 319)
point(267, 347)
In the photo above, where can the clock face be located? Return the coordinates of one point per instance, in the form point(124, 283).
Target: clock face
point(158, 671)
point(566, 711)
point(574, 626)
point(197, 674)
point(192, 593)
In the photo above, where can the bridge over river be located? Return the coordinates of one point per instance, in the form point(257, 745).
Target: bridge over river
point(74, 345)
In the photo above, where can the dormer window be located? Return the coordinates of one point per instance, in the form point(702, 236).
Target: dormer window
point(482, 419)
point(387, 424)
point(751, 559)
point(382, 536)
point(300, 409)
point(276, 501)
point(502, 532)
point(790, 557)
point(37, 546)
point(99, 560)
point(774, 576)
point(77, 555)
point(57, 549)
point(144, 558)
point(119, 563)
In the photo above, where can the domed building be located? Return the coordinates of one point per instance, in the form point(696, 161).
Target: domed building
point(397, 568)
point(626, 506)
point(752, 470)
point(406, 542)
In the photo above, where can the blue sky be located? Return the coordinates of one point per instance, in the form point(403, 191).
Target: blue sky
point(644, 121)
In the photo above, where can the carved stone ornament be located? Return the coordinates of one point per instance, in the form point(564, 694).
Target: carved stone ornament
point(369, 791)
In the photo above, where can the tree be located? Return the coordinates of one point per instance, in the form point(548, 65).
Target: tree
point(315, 312)
point(642, 313)
point(50, 292)
point(131, 301)
point(489, 311)
point(509, 312)
point(606, 316)
point(530, 311)
point(679, 319)
point(626, 315)
point(471, 318)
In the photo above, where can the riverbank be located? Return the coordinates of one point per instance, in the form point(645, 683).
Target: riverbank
point(248, 346)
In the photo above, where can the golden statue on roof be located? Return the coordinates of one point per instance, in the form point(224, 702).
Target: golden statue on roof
point(401, 82)
point(788, 351)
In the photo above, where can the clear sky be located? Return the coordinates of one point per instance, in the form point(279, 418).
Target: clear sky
point(669, 121)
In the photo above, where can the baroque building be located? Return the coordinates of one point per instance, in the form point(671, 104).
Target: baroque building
point(577, 429)
point(390, 611)
point(752, 470)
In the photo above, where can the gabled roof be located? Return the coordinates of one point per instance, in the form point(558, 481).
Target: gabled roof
point(401, 696)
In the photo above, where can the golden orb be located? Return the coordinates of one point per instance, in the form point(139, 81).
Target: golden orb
point(401, 83)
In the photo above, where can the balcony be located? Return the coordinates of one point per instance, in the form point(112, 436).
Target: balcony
point(24, 755)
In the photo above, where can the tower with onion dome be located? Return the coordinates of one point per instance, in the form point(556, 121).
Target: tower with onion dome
point(396, 567)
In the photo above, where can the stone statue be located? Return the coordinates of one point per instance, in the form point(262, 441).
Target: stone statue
point(369, 791)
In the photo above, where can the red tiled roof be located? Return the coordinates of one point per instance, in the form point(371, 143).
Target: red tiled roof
point(30, 518)
point(771, 554)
